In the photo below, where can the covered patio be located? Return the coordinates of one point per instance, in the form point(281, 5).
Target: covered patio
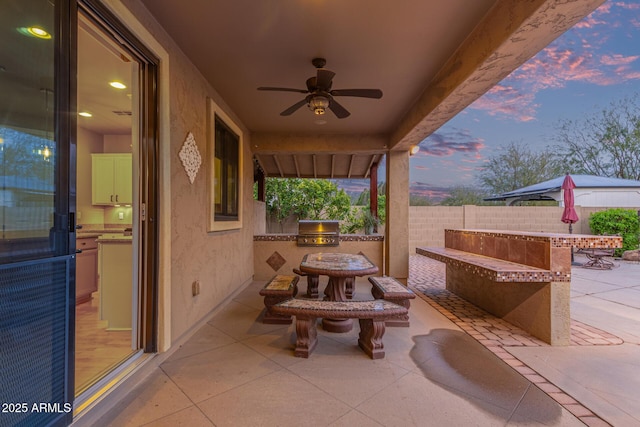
point(455, 365)
point(217, 364)
point(425, 62)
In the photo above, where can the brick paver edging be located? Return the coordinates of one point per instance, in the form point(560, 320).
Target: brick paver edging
point(427, 280)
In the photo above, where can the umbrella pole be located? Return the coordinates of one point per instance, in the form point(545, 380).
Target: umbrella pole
point(571, 232)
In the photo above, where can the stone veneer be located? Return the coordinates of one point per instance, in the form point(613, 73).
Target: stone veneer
point(294, 237)
point(493, 269)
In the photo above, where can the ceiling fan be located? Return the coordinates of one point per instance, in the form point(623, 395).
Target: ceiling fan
point(321, 96)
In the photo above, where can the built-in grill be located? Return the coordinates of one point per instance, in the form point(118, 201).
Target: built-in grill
point(318, 233)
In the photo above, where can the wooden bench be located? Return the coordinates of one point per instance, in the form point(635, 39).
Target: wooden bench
point(390, 289)
point(371, 315)
point(279, 288)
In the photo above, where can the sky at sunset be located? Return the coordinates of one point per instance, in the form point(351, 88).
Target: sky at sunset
point(581, 72)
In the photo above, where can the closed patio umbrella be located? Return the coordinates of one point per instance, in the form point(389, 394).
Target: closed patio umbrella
point(569, 215)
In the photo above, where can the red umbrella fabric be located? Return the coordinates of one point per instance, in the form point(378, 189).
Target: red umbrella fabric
point(569, 215)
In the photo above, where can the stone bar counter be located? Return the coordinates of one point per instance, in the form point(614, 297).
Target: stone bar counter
point(280, 254)
point(522, 277)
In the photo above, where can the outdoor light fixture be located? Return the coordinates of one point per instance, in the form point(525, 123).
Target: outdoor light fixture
point(318, 104)
point(413, 150)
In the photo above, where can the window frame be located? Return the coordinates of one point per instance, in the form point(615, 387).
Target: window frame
point(215, 113)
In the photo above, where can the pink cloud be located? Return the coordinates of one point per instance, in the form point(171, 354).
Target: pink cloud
point(578, 56)
point(617, 59)
point(628, 6)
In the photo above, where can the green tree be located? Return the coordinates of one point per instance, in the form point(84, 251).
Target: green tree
point(623, 222)
point(306, 198)
point(364, 199)
point(605, 143)
point(464, 195)
point(518, 166)
point(321, 199)
point(281, 197)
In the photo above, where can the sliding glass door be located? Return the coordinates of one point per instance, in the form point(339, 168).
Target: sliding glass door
point(37, 179)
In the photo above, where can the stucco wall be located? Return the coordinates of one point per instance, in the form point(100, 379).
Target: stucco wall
point(427, 223)
point(220, 261)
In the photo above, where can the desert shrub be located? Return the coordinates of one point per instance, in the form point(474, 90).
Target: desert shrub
point(623, 222)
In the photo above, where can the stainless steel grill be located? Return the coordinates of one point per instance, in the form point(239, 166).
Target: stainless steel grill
point(318, 233)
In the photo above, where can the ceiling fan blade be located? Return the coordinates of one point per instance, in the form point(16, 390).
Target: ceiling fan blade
point(323, 79)
point(283, 89)
point(362, 93)
point(338, 109)
point(293, 108)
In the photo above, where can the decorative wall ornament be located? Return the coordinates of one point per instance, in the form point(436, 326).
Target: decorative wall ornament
point(190, 156)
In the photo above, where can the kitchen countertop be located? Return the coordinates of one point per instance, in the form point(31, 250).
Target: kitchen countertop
point(87, 235)
point(114, 238)
point(104, 232)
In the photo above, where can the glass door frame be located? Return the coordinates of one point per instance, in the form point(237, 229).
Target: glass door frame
point(147, 156)
point(56, 249)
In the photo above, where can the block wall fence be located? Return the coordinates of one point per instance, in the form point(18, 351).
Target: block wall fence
point(427, 223)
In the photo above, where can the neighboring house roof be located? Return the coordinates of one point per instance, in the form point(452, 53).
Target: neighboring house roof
point(545, 190)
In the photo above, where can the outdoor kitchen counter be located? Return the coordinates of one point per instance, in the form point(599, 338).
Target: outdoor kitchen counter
point(343, 237)
point(522, 277)
point(280, 254)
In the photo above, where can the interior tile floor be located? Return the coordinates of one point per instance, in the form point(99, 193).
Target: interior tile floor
point(98, 350)
point(455, 365)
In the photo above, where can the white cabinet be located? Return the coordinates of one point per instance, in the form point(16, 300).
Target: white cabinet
point(111, 179)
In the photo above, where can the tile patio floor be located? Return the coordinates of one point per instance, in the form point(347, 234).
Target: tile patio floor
point(454, 366)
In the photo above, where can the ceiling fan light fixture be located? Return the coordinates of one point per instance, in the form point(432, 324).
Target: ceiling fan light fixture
point(318, 104)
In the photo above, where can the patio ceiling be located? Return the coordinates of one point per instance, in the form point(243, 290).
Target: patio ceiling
point(431, 59)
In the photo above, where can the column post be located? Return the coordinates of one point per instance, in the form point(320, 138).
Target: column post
point(396, 239)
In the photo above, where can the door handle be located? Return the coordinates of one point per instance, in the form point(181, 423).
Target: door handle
point(78, 251)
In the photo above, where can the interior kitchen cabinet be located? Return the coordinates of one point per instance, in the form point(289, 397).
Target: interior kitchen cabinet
point(116, 278)
point(86, 268)
point(111, 179)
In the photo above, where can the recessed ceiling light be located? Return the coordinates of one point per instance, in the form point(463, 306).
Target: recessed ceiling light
point(35, 32)
point(117, 85)
point(85, 114)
